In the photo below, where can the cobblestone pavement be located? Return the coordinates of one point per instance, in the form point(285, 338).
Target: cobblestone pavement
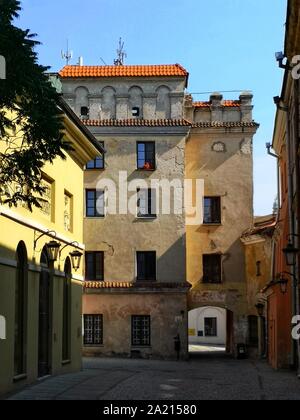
point(207, 377)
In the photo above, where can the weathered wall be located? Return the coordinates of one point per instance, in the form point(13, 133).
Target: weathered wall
point(120, 236)
point(115, 97)
point(117, 309)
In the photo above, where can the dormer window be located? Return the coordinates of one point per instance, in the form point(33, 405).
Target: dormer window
point(136, 112)
point(84, 112)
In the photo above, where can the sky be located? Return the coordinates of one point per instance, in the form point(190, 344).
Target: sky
point(226, 45)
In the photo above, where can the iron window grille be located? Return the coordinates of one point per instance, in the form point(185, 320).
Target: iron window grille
point(141, 330)
point(93, 330)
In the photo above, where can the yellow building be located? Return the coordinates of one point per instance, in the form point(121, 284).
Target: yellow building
point(40, 296)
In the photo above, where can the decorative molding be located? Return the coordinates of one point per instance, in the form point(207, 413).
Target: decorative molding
point(8, 262)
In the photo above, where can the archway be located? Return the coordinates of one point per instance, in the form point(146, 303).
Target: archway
point(44, 365)
point(210, 330)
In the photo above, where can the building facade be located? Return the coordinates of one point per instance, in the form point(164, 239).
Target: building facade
point(219, 151)
point(135, 300)
point(141, 264)
point(41, 299)
point(282, 292)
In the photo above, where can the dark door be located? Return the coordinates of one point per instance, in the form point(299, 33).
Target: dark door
point(44, 324)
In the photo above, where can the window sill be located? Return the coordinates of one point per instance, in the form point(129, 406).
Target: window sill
point(141, 347)
point(95, 170)
point(66, 362)
point(93, 346)
point(146, 217)
point(19, 378)
point(212, 224)
point(95, 217)
point(146, 170)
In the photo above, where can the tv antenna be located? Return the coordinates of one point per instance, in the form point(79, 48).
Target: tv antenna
point(121, 54)
point(67, 55)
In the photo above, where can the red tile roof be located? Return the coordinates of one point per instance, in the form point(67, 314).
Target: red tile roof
point(225, 104)
point(175, 70)
point(135, 122)
point(220, 124)
point(129, 285)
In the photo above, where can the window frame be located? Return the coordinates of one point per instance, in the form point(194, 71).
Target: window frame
point(151, 194)
point(213, 328)
point(148, 337)
point(218, 220)
point(148, 279)
point(93, 344)
point(93, 278)
point(206, 279)
point(101, 158)
point(96, 214)
point(151, 162)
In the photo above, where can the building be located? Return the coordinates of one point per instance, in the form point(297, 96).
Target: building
point(40, 291)
point(135, 300)
point(258, 254)
point(282, 293)
point(219, 151)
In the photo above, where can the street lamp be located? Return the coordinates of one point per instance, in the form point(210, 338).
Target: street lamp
point(283, 285)
point(291, 253)
point(52, 250)
point(260, 309)
point(76, 259)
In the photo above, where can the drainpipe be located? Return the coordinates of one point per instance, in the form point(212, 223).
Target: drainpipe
point(277, 157)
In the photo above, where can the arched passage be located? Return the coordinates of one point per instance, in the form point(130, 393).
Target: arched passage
point(210, 329)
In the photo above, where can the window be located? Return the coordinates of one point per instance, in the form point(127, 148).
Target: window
point(93, 330)
point(94, 203)
point(253, 331)
point(20, 311)
point(97, 163)
point(84, 111)
point(212, 210)
point(210, 326)
point(141, 330)
point(146, 266)
point(47, 201)
point(146, 203)
point(94, 266)
point(258, 268)
point(66, 333)
point(146, 156)
point(212, 268)
point(135, 111)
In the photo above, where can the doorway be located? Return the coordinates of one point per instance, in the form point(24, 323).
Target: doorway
point(44, 366)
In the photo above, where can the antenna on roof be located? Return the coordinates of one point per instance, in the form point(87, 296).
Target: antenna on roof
point(103, 61)
point(67, 55)
point(121, 54)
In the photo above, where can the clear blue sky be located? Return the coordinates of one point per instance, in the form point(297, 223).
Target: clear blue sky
point(224, 44)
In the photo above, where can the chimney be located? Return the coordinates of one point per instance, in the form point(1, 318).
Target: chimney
point(216, 106)
point(246, 106)
point(80, 61)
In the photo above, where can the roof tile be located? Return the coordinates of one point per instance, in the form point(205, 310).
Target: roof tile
point(135, 122)
point(225, 104)
point(175, 70)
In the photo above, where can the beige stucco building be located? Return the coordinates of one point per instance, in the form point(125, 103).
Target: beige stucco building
point(141, 265)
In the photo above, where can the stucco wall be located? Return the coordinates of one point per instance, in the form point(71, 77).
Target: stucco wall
point(117, 310)
point(197, 324)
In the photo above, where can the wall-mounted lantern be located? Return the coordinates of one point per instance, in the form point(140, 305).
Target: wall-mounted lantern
point(76, 259)
point(291, 253)
point(260, 307)
point(53, 250)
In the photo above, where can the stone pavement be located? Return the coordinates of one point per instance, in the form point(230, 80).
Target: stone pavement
point(205, 378)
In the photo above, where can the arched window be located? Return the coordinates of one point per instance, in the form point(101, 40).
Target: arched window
point(66, 332)
point(163, 103)
point(136, 102)
point(21, 288)
point(108, 104)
